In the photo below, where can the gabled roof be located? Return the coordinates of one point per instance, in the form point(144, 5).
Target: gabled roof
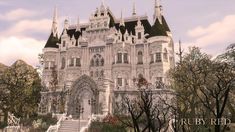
point(52, 42)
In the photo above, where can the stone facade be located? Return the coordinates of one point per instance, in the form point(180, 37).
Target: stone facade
point(91, 63)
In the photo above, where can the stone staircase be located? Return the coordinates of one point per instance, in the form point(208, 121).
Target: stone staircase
point(72, 125)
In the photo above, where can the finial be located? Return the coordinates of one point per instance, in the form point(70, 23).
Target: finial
point(157, 11)
point(122, 23)
point(54, 28)
point(78, 25)
point(134, 8)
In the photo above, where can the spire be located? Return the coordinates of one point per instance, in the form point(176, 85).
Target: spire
point(54, 28)
point(134, 9)
point(66, 24)
point(157, 12)
point(78, 25)
point(122, 23)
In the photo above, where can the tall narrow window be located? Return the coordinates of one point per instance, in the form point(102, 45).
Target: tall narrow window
point(139, 35)
point(91, 73)
point(158, 57)
point(97, 62)
point(119, 58)
point(78, 62)
point(152, 58)
point(125, 58)
point(71, 63)
point(92, 62)
point(165, 58)
point(140, 57)
point(62, 63)
point(64, 43)
point(102, 62)
point(119, 81)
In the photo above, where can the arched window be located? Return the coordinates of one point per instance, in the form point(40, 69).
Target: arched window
point(165, 58)
point(97, 62)
point(102, 62)
point(92, 62)
point(62, 63)
point(140, 57)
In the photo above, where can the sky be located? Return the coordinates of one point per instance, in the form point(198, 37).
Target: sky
point(25, 25)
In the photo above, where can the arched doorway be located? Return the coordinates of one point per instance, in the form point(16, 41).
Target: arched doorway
point(83, 100)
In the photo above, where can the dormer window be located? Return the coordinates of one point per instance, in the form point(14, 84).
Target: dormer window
point(102, 14)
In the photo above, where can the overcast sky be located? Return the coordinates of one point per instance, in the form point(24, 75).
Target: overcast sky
point(25, 24)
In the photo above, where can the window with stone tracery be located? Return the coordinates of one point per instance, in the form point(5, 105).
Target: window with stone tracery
point(97, 60)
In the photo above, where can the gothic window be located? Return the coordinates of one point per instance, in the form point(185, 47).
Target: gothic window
point(97, 62)
point(152, 58)
point(119, 81)
point(165, 55)
point(158, 57)
point(140, 57)
point(119, 58)
point(62, 63)
point(102, 62)
point(71, 62)
point(139, 35)
point(78, 62)
point(125, 58)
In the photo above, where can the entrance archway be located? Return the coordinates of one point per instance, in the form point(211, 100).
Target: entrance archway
point(83, 100)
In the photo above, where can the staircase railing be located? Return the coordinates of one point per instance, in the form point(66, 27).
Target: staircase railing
point(55, 128)
point(12, 122)
point(93, 117)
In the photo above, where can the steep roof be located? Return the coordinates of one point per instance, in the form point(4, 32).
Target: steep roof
point(158, 29)
point(52, 42)
point(130, 26)
point(165, 24)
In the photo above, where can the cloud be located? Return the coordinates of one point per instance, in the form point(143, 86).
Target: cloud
point(17, 14)
point(214, 37)
point(25, 27)
point(14, 48)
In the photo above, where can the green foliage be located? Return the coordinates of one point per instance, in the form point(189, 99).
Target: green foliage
point(20, 88)
point(44, 121)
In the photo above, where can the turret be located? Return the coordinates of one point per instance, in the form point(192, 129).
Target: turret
point(53, 38)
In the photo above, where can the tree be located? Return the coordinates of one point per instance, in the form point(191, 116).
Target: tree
point(144, 111)
point(20, 88)
point(203, 87)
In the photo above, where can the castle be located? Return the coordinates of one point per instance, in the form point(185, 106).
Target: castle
point(90, 65)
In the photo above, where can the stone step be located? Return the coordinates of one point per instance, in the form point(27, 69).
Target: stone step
point(72, 125)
